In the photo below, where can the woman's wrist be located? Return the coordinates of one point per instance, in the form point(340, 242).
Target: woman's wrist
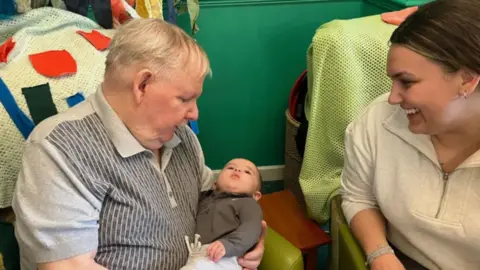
point(379, 252)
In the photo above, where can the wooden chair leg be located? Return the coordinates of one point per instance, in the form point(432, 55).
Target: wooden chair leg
point(312, 259)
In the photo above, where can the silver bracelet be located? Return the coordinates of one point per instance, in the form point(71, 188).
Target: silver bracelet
point(382, 250)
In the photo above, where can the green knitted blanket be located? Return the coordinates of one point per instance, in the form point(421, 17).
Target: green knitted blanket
point(347, 69)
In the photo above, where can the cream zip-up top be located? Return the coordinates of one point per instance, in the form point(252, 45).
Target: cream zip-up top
point(432, 217)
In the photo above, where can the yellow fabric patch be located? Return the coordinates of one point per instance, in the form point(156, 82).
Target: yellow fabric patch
point(150, 8)
point(2, 266)
point(23, 5)
point(193, 10)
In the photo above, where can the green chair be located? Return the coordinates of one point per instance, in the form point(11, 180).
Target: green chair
point(346, 64)
point(280, 254)
point(346, 71)
point(345, 252)
point(347, 246)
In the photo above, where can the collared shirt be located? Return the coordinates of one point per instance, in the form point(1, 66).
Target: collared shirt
point(431, 216)
point(87, 184)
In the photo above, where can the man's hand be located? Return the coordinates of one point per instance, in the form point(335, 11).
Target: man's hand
point(216, 251)
point(252, 259)
point(387, 262)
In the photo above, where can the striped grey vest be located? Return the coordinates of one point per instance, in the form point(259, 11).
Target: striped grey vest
point(138, 227)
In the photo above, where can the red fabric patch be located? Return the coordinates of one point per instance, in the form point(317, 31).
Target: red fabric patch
point(97, 39)
point(54, 63)
point(5, 49)
point(118, 11)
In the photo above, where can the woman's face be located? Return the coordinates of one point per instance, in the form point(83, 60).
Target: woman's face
point(428, 95)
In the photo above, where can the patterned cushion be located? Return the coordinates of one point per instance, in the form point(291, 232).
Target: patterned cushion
point(39, 30)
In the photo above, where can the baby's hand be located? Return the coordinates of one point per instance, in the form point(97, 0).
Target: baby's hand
point(216, 251)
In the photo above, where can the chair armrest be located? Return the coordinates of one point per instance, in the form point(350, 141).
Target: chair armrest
point(350, 251)
point(345, 252)
point(280, 254)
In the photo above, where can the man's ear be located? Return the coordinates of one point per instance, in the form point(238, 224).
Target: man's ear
point(257, 195)
point(141, 80)
point(470, 82)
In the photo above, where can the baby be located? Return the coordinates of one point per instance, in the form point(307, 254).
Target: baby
point(229, 218)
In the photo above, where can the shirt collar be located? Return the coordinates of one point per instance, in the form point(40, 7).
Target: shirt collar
point(223, 194)
point(397, 123)
point(123, 140)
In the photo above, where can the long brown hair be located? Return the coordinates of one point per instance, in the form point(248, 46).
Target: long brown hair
point(445, 31)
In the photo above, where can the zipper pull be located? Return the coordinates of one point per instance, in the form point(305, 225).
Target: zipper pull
point(445, 176)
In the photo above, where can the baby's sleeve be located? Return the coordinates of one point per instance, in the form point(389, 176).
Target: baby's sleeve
point(248, 233)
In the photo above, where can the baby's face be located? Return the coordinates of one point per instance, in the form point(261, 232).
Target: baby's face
point(239, 176)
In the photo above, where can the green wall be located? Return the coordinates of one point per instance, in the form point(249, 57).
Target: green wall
point(257, 49)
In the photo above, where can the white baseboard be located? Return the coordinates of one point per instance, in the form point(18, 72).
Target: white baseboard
point(269, 173)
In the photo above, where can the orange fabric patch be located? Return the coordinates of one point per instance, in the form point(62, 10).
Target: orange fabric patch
point(118, 11)
point(5, 49)
point(397, 17)
point(53, 63)
point(97, 39)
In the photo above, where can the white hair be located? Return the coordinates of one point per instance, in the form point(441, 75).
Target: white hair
point(158, 45)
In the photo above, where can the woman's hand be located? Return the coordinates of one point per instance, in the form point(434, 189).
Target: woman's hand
point(387, 262)
point(252, 259)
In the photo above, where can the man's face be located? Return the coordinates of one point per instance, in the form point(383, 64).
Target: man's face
point(166, 105)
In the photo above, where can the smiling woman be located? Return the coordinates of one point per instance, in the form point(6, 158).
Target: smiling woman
point(412, 159)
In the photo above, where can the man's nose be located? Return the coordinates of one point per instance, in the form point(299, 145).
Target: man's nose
point(193, 113)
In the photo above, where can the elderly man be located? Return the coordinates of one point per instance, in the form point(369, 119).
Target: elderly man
point(114, 181)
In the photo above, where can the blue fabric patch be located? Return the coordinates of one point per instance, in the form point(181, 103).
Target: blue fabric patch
point(7, 7)
point(172, 12)
point(5, 17)
point(194, 127)
point(75, 99)
point(19, 118)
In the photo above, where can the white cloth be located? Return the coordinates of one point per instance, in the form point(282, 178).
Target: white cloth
point(39, 30)
point(434, 221)
point(198, 259)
